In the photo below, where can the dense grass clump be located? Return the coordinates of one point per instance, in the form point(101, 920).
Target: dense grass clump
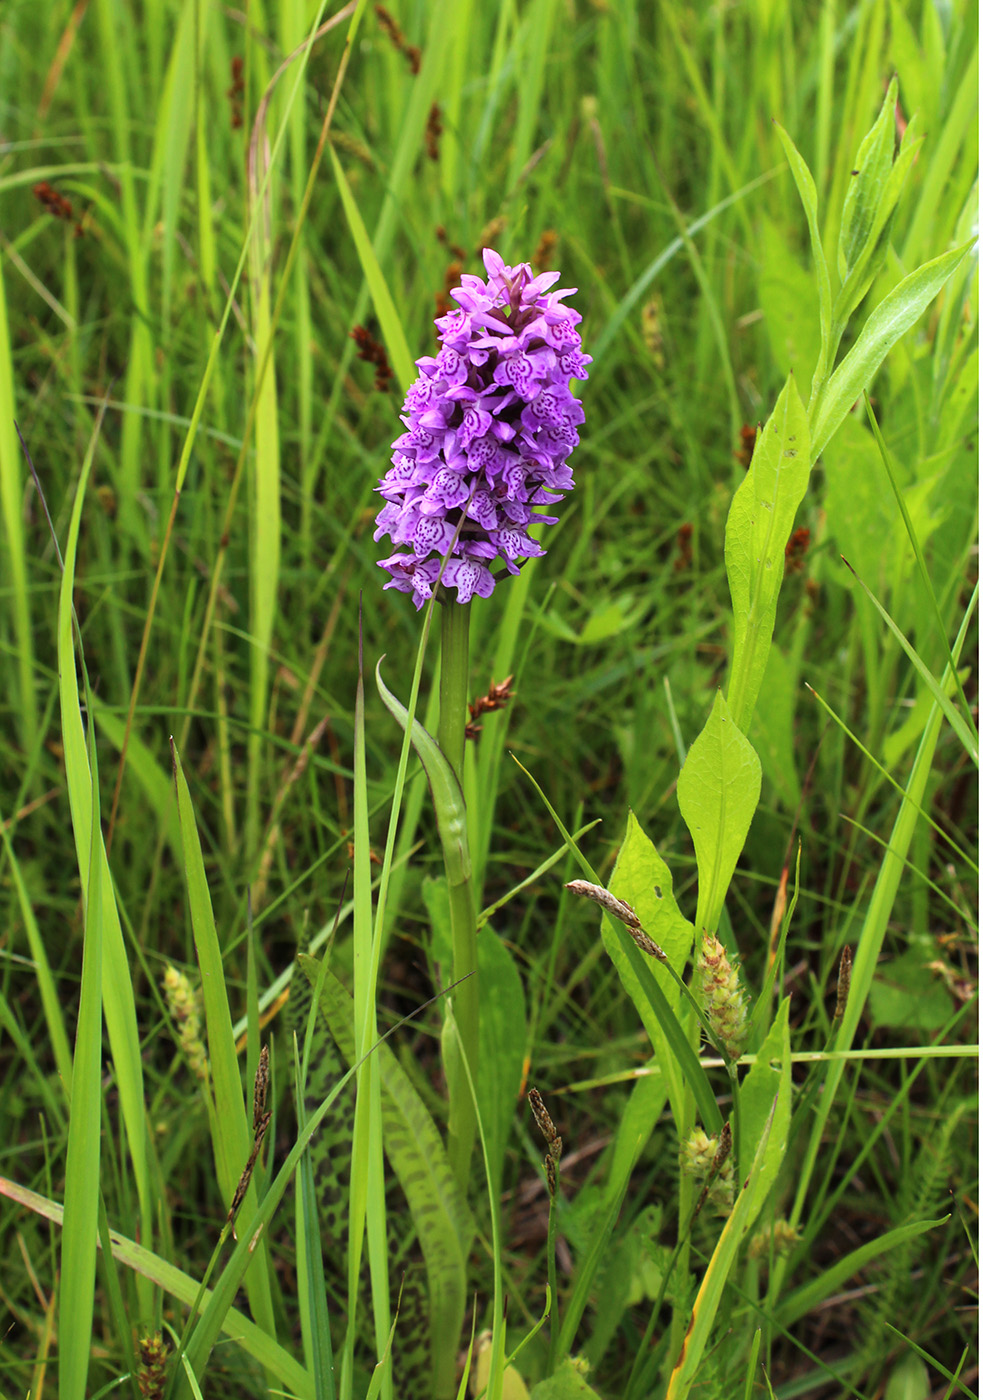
point(719, 1143)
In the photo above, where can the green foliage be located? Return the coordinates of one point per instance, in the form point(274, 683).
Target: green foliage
point(758, 528)
point(718, 792)
point(207, 444)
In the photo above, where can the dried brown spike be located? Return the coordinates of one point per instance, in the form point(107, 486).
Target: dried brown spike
point(497, 698)
point(723, 1149)
point(543, 1120)
point(617, 908)
point(260, 1087)
point(247, 1171)
point(843, 981)
point(551, 1175)
point(647, 945)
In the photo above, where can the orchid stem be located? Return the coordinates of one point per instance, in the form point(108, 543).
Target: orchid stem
point(454, 635)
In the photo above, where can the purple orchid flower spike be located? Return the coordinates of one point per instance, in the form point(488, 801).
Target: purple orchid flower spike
point(490, 423)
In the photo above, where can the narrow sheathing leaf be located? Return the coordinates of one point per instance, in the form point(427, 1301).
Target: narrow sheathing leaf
point(718, 792)
point(119, 1007)
point(448, 799)
point(868, 183)
point(264, 505)
point(769, 1078)
point(874, 253)
point(415, 1151)
point(78, 1248)
point(758, 528)
point(885, 326)
point(231, 1139)
point(643, 880)
point(711, 1289)
point(802, 1302)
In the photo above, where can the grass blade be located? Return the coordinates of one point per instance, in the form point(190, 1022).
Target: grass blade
point(231, 1137)
point(968, 739)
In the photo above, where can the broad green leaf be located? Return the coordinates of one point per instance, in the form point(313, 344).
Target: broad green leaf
point(643, 880)
point(185, 1289)
point(772, 728)
point(448, 799)
point(415, 1150)
point(566, 1383)
point(908, 1380)
point(871, 258)
point(766, 1096)
point(718, 1270)
point(718, 792)
point(798, 1304)
point(885, 326)
point(868, 183)
point(758, 527)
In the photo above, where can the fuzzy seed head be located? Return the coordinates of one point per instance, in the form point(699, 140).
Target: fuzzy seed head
point(723, 999)
point(152, 1366)
point(697, 1153)
point(776, 1239)
point(183, 1002)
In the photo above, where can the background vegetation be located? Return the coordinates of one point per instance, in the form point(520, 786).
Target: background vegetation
point(171, 224)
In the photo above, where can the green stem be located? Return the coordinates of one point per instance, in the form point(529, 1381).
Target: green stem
point(454, 627)
point(551, 1278)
